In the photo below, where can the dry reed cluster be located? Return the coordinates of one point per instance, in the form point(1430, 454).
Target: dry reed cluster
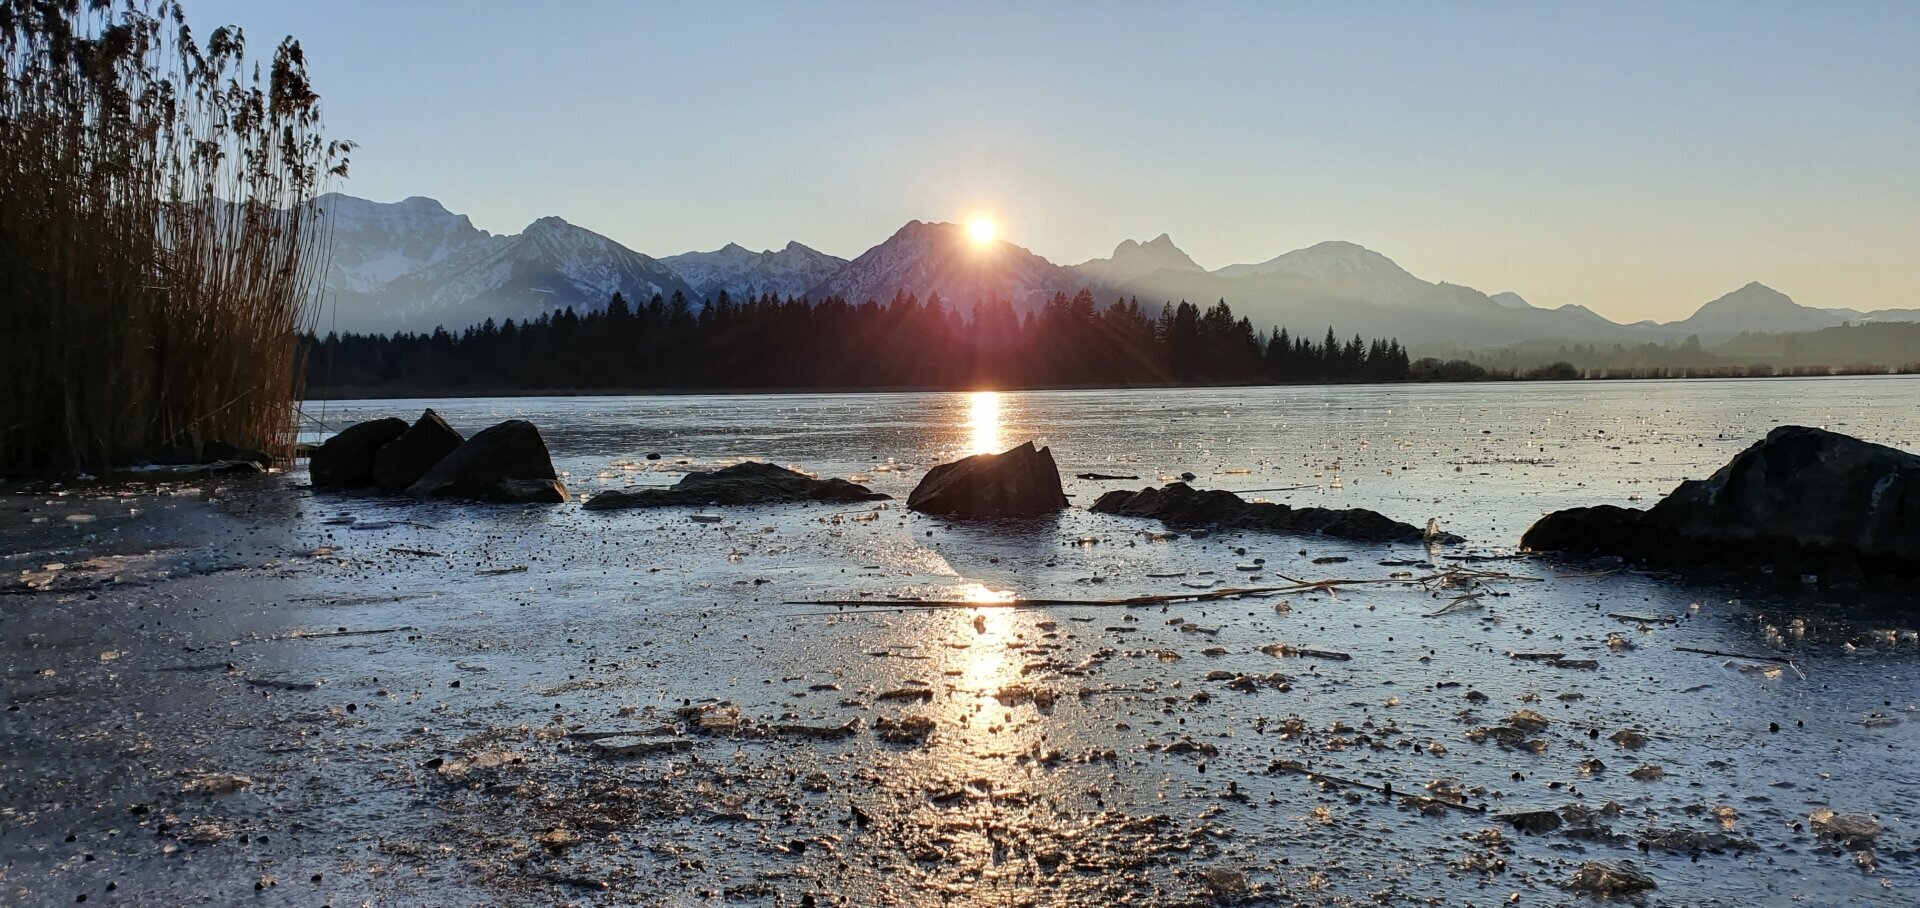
point(158, 242)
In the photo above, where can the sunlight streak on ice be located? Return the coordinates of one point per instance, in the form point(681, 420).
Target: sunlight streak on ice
point(983, 422)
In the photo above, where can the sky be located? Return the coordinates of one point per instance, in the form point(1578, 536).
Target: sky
point(1636, 158)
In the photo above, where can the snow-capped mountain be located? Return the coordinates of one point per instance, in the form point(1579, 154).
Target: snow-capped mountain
point(375, 242)
point(1337, 263)
point(550, 265)
point(413, 265)
point(741, 272)
point(926, 258)
point(1132, 259)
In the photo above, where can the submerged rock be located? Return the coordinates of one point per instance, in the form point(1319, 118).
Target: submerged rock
point(187, 470)
point(214, 457)
point(505, 462)
point(402, 461)
point(345, 461)
point(1849, 827)
point(1180, 505)
point(1610, 878)
point(216, 451)
point(1022, 482)
point(1800, 496)
point(743, 483)
point(1532, 822)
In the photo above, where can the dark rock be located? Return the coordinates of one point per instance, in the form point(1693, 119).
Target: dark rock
point(740, 484)
point(1179, 505)
point(533, 491)
point(402, 461)
point(505, 462)
point(1597, 529)
point(1022, 482)
point(1801, 497)
point(345, 461)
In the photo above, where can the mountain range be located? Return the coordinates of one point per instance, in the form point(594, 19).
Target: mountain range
point(413, 265)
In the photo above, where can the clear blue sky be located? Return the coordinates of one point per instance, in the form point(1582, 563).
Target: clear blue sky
point(1639, 158)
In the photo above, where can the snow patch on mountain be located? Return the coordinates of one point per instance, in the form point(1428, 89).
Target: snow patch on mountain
point(740, 272)
point(550, 265)
point(374, 242)
point(1336, 263)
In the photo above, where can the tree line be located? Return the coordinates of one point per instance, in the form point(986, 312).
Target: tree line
point(768, 342)
point(1848, 349)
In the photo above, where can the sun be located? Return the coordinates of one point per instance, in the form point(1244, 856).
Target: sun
point(981, 230)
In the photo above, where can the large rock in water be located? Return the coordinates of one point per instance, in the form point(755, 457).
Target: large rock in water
point(345, 461)
point(1180, 505)
point(742, 483)
point(1022, 482)
point(1800, 496)
point(506, 462)
point(402, 461)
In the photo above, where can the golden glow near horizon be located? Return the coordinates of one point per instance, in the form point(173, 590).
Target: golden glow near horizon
point(982, 230)
point(983, 422)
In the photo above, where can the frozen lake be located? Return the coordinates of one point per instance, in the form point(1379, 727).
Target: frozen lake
point(1076, 755)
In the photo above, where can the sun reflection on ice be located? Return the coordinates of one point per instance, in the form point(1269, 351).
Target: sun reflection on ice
point(981, 593)
point(980, 669)
point(983, 422)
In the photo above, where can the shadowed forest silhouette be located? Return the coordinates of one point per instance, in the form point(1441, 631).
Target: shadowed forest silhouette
point(766, 342)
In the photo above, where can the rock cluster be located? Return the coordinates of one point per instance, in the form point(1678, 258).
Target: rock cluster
point(1180, 505)
point(1800, 497)
point(401, 462)
point(506, 462)
point(740, 484)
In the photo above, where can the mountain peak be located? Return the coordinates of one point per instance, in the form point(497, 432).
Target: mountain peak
point(1335, 262)
point(1753, 296)
point(1132, 259)
point(1345, 246)
point(1754, 307)
point(422, 205)
point(741, 272)
point(928, 257)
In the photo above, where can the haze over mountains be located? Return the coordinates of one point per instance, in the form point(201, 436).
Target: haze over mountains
point(413, 265)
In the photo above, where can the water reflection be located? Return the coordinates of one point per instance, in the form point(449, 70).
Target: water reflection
point(985, 595)
point(983, 645)
point(983, 422)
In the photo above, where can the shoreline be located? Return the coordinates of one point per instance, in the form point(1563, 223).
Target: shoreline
point(408, 393)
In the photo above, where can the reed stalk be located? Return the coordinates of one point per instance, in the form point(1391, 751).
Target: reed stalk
point(159, 245)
